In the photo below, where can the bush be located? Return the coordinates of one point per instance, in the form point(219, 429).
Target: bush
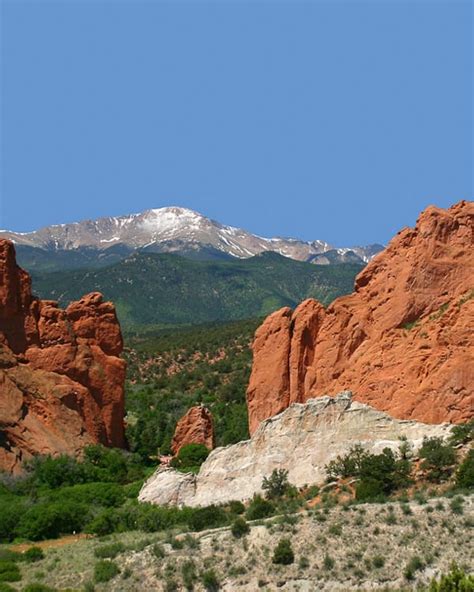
point(455, 581)
point(369, 490)
point(328, 562)
point(456, 505)
point(259, 508)
point(11, 512)
point(438, 459)
point(210, 517)
point(465, 472)
point(190, 457)
point(50, 520)
point(38, 588)
point(277, 484)
point(379, 474)
point(210, 581)
point(283, 553)
point(9, 572)
point(105, 570)
point(6, 587)
point(462, 434)
point(33, 554)
point(415, 564)
point(239, 528)
point(236, 507)
point(188, 571)
point(109, 551)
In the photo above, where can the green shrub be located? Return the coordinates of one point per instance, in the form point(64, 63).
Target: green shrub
point(277, 484)
point(38, 588)
point(456, 505)
point(11, 511)
point(210, 581)
point(6, 587)
point(95, 494)
point(283, 553)
point(462, 434)
point(465, 472)
point(328, 562)
point(188, 572)
point(190, 457)
point(50, 520)
point(158, 551)
point(378, 561)
point(454, 581)
point(104, 523)
point(259, 508)
point(369, 490)
point(105, 570)
point(33, 554)
point(379, 474)
point(9, 572)
point(438, 459)
point(303, 563)
point(210, 517)
point(109, 551)
point(239, 528)
point(236, 507)
point(415, 564)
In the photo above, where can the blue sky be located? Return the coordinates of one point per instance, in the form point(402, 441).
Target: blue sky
point(332, 120)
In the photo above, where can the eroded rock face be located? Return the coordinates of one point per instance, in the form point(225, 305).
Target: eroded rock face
point(302, 439)
point(195, 427)
point(61, 380)
point(403, 341)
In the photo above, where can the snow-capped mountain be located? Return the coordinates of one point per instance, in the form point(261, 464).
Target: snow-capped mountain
point(180, 230)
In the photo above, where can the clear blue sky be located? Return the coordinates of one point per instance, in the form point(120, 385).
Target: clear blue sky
point(332, 120)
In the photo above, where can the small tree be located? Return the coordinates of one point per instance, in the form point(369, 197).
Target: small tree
point(259, 508)
point(239, 528)
point(438, 458)
point(190, 457)
point(454, 581)
point(465, 473)
point(283, 553)
point(277, 484)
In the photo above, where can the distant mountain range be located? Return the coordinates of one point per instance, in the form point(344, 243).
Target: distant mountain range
point(102, 242)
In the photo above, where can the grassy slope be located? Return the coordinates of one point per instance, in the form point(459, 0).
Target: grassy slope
point(152, 289)
point(335, 550)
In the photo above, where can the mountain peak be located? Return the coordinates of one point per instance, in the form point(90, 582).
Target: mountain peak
point(175, 229)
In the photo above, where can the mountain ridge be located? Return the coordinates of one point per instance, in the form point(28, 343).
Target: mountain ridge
point(180, 230)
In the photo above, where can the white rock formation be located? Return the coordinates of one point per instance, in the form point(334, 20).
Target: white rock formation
point(302, 439)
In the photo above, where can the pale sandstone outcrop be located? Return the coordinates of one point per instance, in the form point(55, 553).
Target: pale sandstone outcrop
point(302, 439)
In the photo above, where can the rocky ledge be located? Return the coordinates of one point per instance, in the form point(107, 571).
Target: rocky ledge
point(302, 439)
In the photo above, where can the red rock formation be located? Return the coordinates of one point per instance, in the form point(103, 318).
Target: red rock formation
point(403, 341)
point(195, 427)
point(61, 380)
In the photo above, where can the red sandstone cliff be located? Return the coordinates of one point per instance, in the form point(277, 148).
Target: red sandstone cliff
point(403, 341)
point(61, 378)
point(195, 427)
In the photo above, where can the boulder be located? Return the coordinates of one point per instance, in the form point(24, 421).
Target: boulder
point(195, 427)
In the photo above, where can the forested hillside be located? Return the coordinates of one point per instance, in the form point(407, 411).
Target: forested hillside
point(170, 371)
point(153, 289)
